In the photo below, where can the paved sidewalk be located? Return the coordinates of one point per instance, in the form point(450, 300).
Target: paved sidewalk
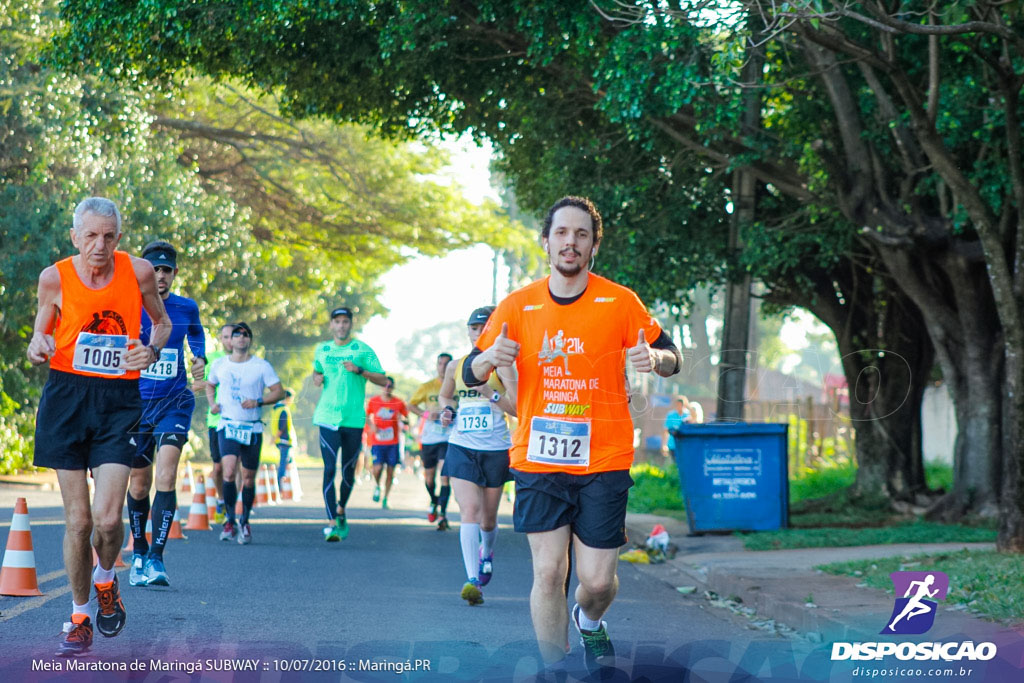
point(777, 583)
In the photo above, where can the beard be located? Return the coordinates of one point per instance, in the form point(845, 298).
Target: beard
point(570, 270)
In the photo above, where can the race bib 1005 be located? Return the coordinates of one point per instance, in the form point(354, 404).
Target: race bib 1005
point(559, 442)
point(100, 353)
point(163, 369)
point(474, 416)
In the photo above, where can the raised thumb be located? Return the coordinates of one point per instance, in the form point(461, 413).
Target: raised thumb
point(640, 337)
point(504, 330)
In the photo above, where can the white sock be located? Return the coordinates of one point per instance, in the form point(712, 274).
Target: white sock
point(80, 609)
point(588, 624)
point(101, 575)
point(469, 536)
point(487, 540)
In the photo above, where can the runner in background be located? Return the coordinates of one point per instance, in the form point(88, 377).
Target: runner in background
point(433, 437)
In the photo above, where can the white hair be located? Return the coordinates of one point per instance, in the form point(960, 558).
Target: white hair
point(99, 206)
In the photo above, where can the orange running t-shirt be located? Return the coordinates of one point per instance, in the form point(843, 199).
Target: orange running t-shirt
point(572, 402)
point(88, 315)
point(384, 419)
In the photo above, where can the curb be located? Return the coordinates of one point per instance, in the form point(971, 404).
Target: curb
point(841, 609)
point(39, 482)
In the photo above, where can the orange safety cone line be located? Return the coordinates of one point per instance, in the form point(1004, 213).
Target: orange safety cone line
point(149, 530)
point(188, 481)
point(293, 474)
point(211, 498)
point(286, 488)
point(18, 570)
point(273, 493)
point(175, 531)
point(261, 486)
point(275, 485)
point(198, 519)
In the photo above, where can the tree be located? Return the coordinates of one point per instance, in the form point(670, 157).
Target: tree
point(297, 217)
point(925, 154)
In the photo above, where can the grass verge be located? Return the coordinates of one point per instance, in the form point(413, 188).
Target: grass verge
point(831, 537)
point(985, 583)
point(656, 491)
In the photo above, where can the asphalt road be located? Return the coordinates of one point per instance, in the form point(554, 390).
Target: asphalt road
point(293, 607)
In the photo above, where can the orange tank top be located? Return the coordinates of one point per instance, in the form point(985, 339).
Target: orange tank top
point(95, 320)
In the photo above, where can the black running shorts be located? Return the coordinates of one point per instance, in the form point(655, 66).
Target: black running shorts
point(487, 469)
point(84, 422)
point(593, 504)
point(432, 453)
point(249, 453)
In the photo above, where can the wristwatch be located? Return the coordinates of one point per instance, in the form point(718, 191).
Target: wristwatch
point(495, 397)
point(156, 351)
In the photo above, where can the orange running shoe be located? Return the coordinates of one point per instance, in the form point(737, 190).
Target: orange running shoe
point(77, 636)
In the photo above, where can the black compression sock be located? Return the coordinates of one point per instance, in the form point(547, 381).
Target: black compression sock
point(138, 512)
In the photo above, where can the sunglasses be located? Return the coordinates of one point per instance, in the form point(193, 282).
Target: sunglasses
point(240, 333)
point(164, 269)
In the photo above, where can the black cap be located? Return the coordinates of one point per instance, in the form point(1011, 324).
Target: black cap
point(160, 253)
point(480, 315)
point(341, 310)
point(241, 326)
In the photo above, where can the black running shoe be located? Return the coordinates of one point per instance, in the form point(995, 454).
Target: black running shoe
point(598, 653)
point(77, 636)
point(111, 616)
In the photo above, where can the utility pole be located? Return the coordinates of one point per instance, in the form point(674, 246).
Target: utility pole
point(732, 364)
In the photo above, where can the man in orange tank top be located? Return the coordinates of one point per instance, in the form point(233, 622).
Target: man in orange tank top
point(569, 336)
point(87, 328)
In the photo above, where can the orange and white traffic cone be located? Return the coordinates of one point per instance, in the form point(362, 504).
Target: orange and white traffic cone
point(211, 498)
point(286, 488)
point(188, 481)
point(175, 531)
point(261, 486)
point(198, 520)
point(18, 571)
point(293, 475)
point(149, 530)
point(273, 492)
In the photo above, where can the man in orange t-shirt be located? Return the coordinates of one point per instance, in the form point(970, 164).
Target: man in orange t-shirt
point(384, 411)
point(569, 336)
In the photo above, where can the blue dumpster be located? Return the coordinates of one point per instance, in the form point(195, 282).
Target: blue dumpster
point(734, 476)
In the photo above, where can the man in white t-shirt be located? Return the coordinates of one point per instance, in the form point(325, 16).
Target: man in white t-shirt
point(245, 378)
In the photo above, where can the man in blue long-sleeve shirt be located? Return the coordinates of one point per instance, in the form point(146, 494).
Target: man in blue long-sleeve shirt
point(168, 403)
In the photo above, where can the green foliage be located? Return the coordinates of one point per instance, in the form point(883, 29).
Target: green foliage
point(986, 583)
point(938, 475)
point(275, 221)
point(835, 537)
point(819, 483)
point(655, 490)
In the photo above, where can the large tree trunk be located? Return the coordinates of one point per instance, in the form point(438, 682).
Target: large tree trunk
point(960, 315)
point(887, 358)
point(1011, 518)
point(886, 387)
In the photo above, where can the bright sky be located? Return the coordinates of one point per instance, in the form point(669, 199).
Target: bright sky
point(420, 294)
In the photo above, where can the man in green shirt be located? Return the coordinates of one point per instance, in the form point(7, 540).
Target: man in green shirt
point(341, 367)
point(213, 421)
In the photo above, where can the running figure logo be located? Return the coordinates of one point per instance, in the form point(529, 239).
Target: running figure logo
point(554, 347)
point(914, 613)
